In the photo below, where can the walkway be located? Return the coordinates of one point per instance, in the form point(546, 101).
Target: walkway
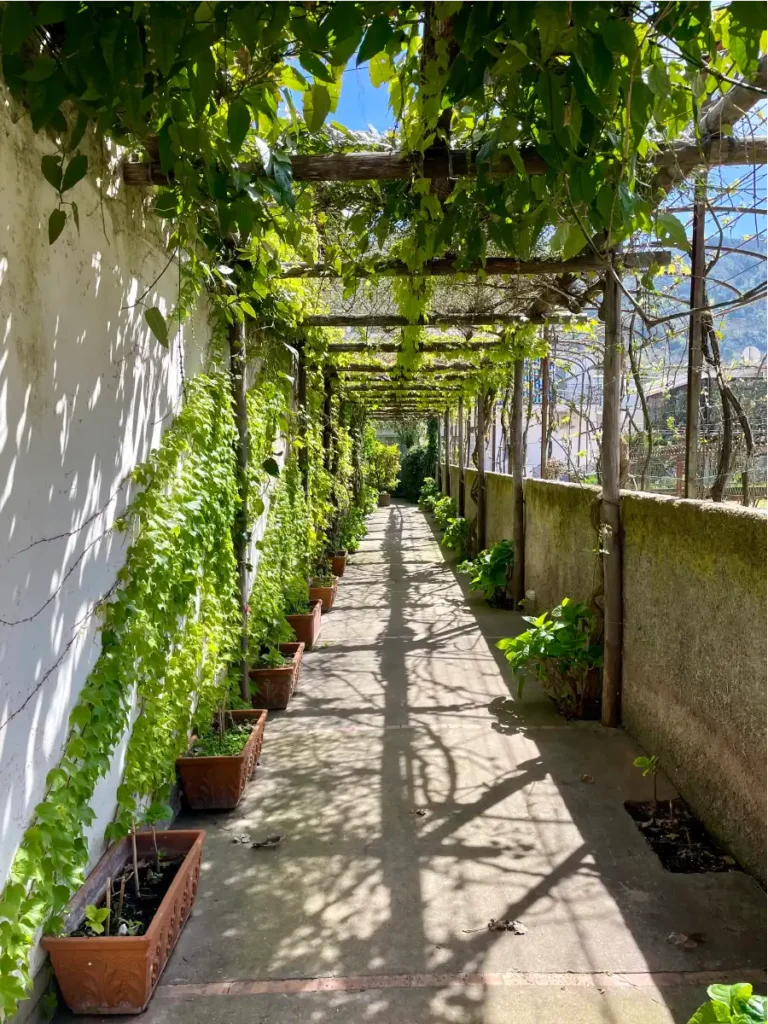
point(417, 801)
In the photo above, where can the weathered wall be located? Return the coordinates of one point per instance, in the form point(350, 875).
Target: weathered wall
point(499, 507)
point(561, 558)
point(695, 657)
point(85, 393)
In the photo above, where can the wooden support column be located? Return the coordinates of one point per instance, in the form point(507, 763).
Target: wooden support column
point(438, 475)
point(693, 398)
point(494, 439)
point(241, 535)
point(301, 401)
point(544, 415)
point(447, 453)
point(518, 468)
point(461, 497)
point(610, 511)
point(480, 531)
point(327, 418)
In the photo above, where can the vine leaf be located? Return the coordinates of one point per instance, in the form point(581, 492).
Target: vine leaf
point(317, 106)
point(670, 229)
point(18, 23)
point(56, 223)
point(75, 171)
point(51, 168)
point(238, 123)
point(375, 39)
point(158, 326)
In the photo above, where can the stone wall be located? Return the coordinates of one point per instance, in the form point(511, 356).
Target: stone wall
point(694, 667)
point(561, 544)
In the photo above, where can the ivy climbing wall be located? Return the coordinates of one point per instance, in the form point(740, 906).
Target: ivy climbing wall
point(85, 394)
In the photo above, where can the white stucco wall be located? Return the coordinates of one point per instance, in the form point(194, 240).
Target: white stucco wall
point(85, 393)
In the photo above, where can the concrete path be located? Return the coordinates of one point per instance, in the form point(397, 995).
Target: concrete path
point(418, 801)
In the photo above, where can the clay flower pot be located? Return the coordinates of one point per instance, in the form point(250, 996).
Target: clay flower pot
point(327, 595)
point(216, 783)
point(384, 499)
point(307, 627)
point(275, 686)
point(339, 563)
point(117, 974)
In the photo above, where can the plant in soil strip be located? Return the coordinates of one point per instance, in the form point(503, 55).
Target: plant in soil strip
point(732, 1004)
point(297, 596)
point(429, 494)
point(445, 510)
point(457, 535)
point(564, 651)
point(649, 766)
point(491, 572)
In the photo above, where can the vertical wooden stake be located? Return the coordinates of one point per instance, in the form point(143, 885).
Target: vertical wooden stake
point(447, 454)
point(494, 438)
point(301, 401)
point(544, 415)
point(481, 472)
point(327, 418)
point(241, 534)
point(438, 458)
point(461, 502)
point(610, 512)
point(693, 397)
point(518, 468)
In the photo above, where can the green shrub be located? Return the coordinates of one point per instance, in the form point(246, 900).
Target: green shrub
point(491, 571)
point(383, 466)
point(731, 1004)
point(428, 494)
point(457, 535)
point(445, 510)
point(414, 467)
point(562, 650)
point(296, 594)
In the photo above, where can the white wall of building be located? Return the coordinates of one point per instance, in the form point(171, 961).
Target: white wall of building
point(85, 393)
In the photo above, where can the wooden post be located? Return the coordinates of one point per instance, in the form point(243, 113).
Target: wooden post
point(494, 439)
point(480, 472)
point(438, 459)
point(693, 397)
point(240, 533)
point(461, 498)
point(327, 418)
point(610, 510)
point(301, 400)
point(544, 415)
point(447, 446)
point(518, 469)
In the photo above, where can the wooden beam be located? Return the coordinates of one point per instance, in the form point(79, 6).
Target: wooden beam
point(301, 402)
point(735, 103)
point(609, 506)
point(447, 453)
point(480, 532)
point(544, 415)
point(678, 161)
point(695, 328)
point(438, 348)
point(240, 532)
point(455, 367)
point(518, 469)
point(440, 164)
point(437, 320)
point(494, 266)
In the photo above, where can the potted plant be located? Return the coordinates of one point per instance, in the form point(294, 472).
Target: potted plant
point(304, 616)
point(323, 587)
point(214, 772)
point(564, 650)
point(275, 663)
point(123, 924)
point(339, 563)
point(383, 470)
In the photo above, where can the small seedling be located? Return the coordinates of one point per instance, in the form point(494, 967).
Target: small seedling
point(95, 918)
point(649, 766)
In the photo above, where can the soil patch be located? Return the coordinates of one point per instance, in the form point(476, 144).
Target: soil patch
point(678, 839)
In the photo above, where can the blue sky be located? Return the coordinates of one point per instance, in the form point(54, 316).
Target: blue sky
point(360, 105)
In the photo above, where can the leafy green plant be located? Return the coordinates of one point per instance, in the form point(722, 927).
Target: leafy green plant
point(226, 743)
point(296, 596)
point(416, 464)
point(445, 510)
point(649, 766)
point(428, 494)
point(562, 650)
point(457, 535)
point(491, 571)
point(384, 466)
point(96, 918)
point(732, 1004)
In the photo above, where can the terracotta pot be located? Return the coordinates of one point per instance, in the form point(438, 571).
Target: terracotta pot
point(118, 974)
point(307, 627)
point(339, 563)
point(276, 685)
point(327, 595)
point(384, 499)
point(216, 783)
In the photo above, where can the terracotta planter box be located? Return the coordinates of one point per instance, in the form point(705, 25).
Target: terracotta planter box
point(384, 499)
point(276, 685)
point(217, 783)
point(307, 627)
point(118, 974)
point(339, 563)
point(327, 595)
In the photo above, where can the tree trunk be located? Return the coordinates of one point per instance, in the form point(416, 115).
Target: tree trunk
point(518, 469)
point(240, 531)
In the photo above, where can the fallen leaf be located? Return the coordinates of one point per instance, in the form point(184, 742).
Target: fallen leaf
point(267, 843)
point(518, 928)
point(503, 925)
point(685, 941)
point(241, 839)
point(420, 812)
point(586, 778)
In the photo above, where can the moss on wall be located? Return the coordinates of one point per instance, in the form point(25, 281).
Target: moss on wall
point(561, 544)
point(694, 657)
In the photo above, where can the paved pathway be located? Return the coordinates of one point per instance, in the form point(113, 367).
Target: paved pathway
point(418, 801)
